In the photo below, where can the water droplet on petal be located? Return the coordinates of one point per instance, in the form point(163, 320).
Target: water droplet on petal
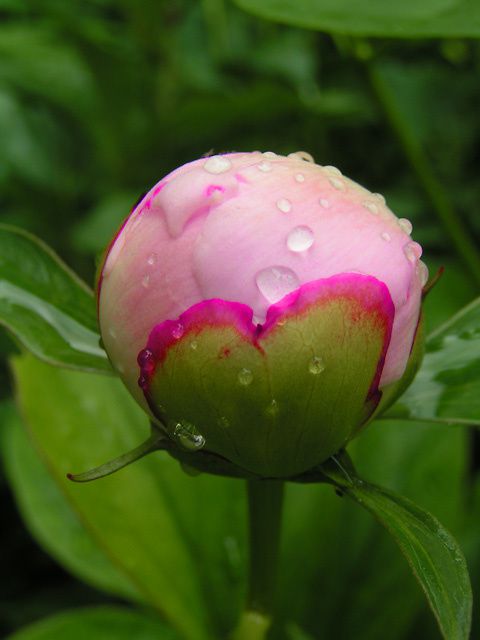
point(379, 196)
point(333, 171)
point(412, 251)
point(245, 377)
point(302, 155)
point(300, 239)
point(371, 206)
point(112, 333)
point(152, 259)
point(284, 205)
point(337, 184)
point(146, 359)
point(405, 225)
point(187, 436)
point(299, 177)
point(423, 274)
point(275, 283)
point(270, 154)
point(264, 166)
point(217, 164)
point(316, 365)
point(386, 236)
point(324, 203)
point(193, 345)
point(178, 331)
point(146, 281)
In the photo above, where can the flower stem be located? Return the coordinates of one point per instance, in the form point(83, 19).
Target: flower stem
point(265, 500)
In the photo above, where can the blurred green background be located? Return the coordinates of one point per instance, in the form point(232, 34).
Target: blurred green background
point(101, 98)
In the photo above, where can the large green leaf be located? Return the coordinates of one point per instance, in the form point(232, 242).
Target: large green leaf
point(98, 623)
point(179, 539)
point(431, 551)
point(45, 305)
point(408, 19)
point(48, 515)
point(346, 559)
point(447, 386)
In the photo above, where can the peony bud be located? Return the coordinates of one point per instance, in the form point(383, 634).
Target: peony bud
point(258, 306)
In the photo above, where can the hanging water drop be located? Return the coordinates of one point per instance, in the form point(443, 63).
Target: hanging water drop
point(187, 436)
point(324, 203)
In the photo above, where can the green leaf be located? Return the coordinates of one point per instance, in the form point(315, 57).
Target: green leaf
point(332, 540)
point(408, 19)
point(447, 386)
point(45, 305)
point(180, 540)
point(432, 553)
point(99, 623)
point(48, 515)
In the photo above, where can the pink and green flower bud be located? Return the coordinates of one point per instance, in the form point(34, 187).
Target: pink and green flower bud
point(259, 306)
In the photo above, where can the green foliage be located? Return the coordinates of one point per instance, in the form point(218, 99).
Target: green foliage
point(408, 19)
point(149, 518)
point(431, 551)
point(101, 623)
point(46, 306)
point(447, 386)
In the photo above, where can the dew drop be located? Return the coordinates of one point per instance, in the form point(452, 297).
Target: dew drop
point(333, 171)
point(270, 154)
point(272, 409)
point(264, 166)
point(371, 206)
point(324, 203)
point(337, 184)
point(146, 281)
point(275, 283)
point(405, 225)
point(152, 259)
point(112, 333)
point(302, 155)
point(316, 365)
point(223, 422)
point(245, 377)
point(379, 197)
point(194, 345)
point(299, 177)
point(146, 359)
point(422, 271)
point(178, 331)
point(284, 205)
point(300, 239)
point(386, 236)
point(217, 164)
point(187, 436)
point(412, 251)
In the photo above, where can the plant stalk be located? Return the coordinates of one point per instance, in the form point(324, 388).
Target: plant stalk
point(433, 188)
point(265, 501)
